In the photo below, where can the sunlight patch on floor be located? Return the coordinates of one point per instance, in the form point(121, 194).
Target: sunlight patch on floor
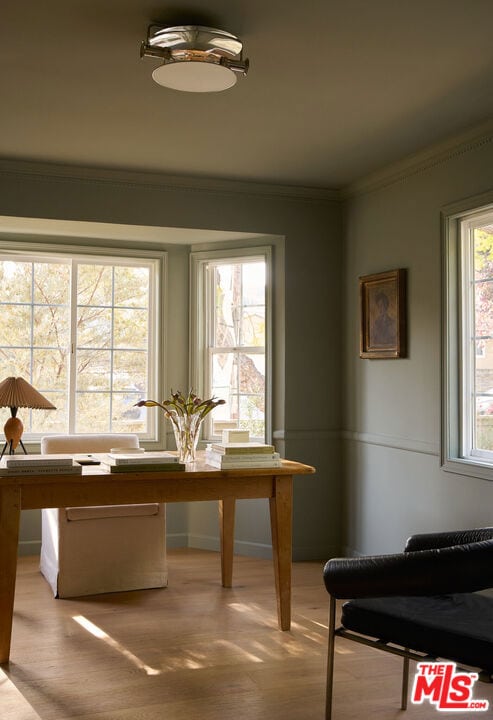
point(13, 703)
point(255, 611)
point(102, 635)
point(233, 646)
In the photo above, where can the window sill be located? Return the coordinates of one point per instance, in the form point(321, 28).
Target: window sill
point(471, 468)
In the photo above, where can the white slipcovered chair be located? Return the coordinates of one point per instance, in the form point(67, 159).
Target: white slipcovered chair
point(101, 549)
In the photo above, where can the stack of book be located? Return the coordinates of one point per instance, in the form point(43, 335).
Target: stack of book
point(153, 461)
point(241, 455)
point(39, 465)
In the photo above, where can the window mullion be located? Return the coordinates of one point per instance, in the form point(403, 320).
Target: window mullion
point(72, 370)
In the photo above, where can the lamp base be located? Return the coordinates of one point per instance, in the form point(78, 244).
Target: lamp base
point(11, 448)
point(13, 430)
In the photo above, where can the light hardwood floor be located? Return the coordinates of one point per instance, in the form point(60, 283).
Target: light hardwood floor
point(192, 651)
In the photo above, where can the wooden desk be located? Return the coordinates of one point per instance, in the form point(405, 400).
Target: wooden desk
point(93, 487)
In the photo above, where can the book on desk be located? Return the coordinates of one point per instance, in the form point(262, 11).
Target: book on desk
point(39, 465)
point(157, 461)
point(230, 455)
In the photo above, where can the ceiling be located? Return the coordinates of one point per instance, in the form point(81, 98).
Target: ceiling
point(336, 88)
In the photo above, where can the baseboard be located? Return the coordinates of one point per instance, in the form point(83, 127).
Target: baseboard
point(29, 547)
point(208, 542)
point(314, 554)
point(176, 540)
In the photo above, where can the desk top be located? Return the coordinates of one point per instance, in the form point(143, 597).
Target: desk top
point(95, 486)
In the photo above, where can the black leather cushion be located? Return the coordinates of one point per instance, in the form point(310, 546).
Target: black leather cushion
point(455, 627)
point(456, 569)
point(427, 541)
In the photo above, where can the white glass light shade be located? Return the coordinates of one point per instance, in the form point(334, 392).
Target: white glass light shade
point(193, 76)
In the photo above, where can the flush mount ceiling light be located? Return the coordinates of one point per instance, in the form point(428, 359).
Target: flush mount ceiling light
point(195, 58)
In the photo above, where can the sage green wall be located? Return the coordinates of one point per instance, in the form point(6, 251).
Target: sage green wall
point(306, 401)
point(394, 485)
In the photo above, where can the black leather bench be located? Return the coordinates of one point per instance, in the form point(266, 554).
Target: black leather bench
point(458, 627)
point(420, 604)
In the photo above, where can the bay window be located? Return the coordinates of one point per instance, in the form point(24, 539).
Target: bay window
point(84, 331)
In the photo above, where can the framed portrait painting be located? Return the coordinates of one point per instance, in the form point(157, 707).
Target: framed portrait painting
point(383, 315)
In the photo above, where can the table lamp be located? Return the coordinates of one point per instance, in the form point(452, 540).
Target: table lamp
point(16, 393)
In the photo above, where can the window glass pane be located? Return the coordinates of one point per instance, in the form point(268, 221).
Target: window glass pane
point(51, 283)
point(50, 369)
point(15, 362)
point(130, 328)
point(94, 327)
point(16, 281)
point(226, 287)
point(94, 285)
point(50, 421)
point(17, 331)
point(224, 374)
point(253, 326)
point(125, 416)
point(130, 371)
point(252, 415)
point(254, 283)
point(252, 374)
point(483, 337)
point(239, 304)
point(93, 412)
point(131, 287)
point(93, 370)
point(51, 326)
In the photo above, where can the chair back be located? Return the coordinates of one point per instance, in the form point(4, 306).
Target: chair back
point(89, 443)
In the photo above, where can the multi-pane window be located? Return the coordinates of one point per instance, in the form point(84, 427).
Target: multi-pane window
point(467, 370)
point(233, 319)
point(477, 335)
point(80, 330)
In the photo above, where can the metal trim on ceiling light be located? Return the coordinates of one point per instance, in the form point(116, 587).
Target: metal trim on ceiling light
point(195, 58)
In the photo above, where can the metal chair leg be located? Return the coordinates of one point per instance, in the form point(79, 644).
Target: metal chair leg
point(330, 658)
point(405, 683)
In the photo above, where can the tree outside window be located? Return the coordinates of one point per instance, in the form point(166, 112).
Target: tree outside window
point(80, 331)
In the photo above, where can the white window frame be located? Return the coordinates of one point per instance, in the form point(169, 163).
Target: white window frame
point(157, 261)
point(458, 350)
point(200, 324)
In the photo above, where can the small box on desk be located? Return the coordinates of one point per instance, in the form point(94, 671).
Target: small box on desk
point(236, 436)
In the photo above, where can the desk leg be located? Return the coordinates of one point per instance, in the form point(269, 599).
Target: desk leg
point(227, 527)
point(10, 504)
point(281, 520)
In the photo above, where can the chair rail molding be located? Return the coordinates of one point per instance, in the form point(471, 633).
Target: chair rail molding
point(394, 442)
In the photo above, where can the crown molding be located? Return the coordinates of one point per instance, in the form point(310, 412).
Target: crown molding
point(129, 178)
point(424, 160)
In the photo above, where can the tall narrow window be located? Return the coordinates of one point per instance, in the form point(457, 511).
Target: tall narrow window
point(233, 322)
point(467, 434)
point(477, 273)
point(81, 329)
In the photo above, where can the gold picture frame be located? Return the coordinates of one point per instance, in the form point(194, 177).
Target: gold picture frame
point(383, 315)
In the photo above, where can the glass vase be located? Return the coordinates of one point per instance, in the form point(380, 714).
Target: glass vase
point(187, 431)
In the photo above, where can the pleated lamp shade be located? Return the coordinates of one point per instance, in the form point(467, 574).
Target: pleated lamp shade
point(16, 393)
